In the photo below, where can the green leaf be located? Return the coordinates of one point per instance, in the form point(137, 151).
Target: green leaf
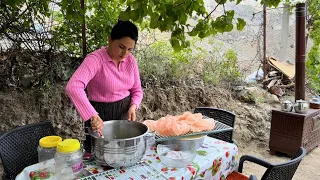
point(134, 15)
point(163, 8)
point(238, 1)
point(240, 24)
point(175, 44)
point(202, 35)
point(154, 20)
point(124, 16)
point(230, 15)
point(136, 5)
point(69, 16)
point(186, 44)
point(196, 5)
point(228, 28)
point(183, 18)
point(213, 32)
point(221, 1)
point(194, 32)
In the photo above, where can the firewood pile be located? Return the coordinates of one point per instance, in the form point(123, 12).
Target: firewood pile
point(279, 77)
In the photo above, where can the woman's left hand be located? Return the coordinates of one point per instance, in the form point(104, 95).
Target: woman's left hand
point(132, 112)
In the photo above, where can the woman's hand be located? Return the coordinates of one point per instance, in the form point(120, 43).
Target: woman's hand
point(132, 112)
point(96, 123)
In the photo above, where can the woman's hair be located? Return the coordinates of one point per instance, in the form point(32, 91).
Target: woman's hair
point(124, 29)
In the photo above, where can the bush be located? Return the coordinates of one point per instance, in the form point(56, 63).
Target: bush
point(160, 62)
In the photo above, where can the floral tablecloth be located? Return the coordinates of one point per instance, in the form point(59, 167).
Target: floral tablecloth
point(215, 160)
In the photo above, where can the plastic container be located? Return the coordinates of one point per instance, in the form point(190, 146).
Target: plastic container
point(46, 151)
point(68, 159)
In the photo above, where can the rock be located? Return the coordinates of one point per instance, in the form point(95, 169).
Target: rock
point(277, 91)
point(274, 99)
point(238, 88)
point(26, 80)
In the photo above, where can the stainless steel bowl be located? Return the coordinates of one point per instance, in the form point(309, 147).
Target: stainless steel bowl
point(124, 143)
point(195, 142)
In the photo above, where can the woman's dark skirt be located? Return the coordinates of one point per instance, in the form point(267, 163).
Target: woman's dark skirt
point(107, 111)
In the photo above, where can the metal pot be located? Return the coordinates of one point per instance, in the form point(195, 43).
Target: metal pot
point(194, 142)
point(124, 143)
point(301, 106)
point(287, 106)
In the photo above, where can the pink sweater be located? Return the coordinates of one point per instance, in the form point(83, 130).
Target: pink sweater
point(105, 82)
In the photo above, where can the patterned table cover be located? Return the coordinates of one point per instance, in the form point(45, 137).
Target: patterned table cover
point(215, 160)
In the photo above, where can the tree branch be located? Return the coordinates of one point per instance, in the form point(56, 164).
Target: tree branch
point(211, 12)
point(179, 4)
point(189, 5)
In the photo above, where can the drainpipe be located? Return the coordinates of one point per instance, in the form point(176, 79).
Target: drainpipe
point(300, 66)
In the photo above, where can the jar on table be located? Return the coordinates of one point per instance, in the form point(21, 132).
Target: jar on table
point(68, 159)
point(46, 151)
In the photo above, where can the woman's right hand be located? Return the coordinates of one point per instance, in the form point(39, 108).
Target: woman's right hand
point(96, 123)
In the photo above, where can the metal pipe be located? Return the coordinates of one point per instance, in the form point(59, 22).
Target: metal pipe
point(300, 66)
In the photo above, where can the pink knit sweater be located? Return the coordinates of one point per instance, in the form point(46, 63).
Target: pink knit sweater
point(105, 82)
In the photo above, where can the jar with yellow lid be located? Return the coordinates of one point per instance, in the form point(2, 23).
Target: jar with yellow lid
point(46, 151)
point(68, 159)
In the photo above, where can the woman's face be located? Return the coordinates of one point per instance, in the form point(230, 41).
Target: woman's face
point(121, 48)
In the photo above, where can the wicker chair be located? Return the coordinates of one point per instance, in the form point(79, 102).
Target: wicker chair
point(283, 171)
point(220, 115)
point(18, 147)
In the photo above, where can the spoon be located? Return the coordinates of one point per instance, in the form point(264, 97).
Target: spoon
point(97, 134)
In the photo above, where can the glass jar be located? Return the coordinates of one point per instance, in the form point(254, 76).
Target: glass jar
point(46, 151)
point(68, 159)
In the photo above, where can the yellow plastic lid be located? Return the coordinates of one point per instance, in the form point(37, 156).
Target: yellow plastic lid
point(68, 145)
point(50, 141)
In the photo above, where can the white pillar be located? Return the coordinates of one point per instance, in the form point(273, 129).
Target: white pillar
point(284, 34)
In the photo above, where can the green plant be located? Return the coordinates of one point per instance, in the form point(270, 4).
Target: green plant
point(159, 61)
point(173, 15)
point(223, 71)
point(313, 62)
point(100, 16)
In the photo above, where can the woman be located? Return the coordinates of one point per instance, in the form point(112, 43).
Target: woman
point(112, 79)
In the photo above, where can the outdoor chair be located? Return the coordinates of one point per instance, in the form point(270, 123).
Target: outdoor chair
point(18, 147)
point(283, 171)
point(222, 116)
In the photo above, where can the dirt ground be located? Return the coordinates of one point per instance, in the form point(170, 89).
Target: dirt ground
point(307, 170)
point(251, 130)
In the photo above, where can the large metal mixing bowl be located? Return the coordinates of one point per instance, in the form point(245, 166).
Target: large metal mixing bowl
point(124, 143)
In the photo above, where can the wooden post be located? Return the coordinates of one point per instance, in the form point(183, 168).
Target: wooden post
point(84, 40)
point(264, 41)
